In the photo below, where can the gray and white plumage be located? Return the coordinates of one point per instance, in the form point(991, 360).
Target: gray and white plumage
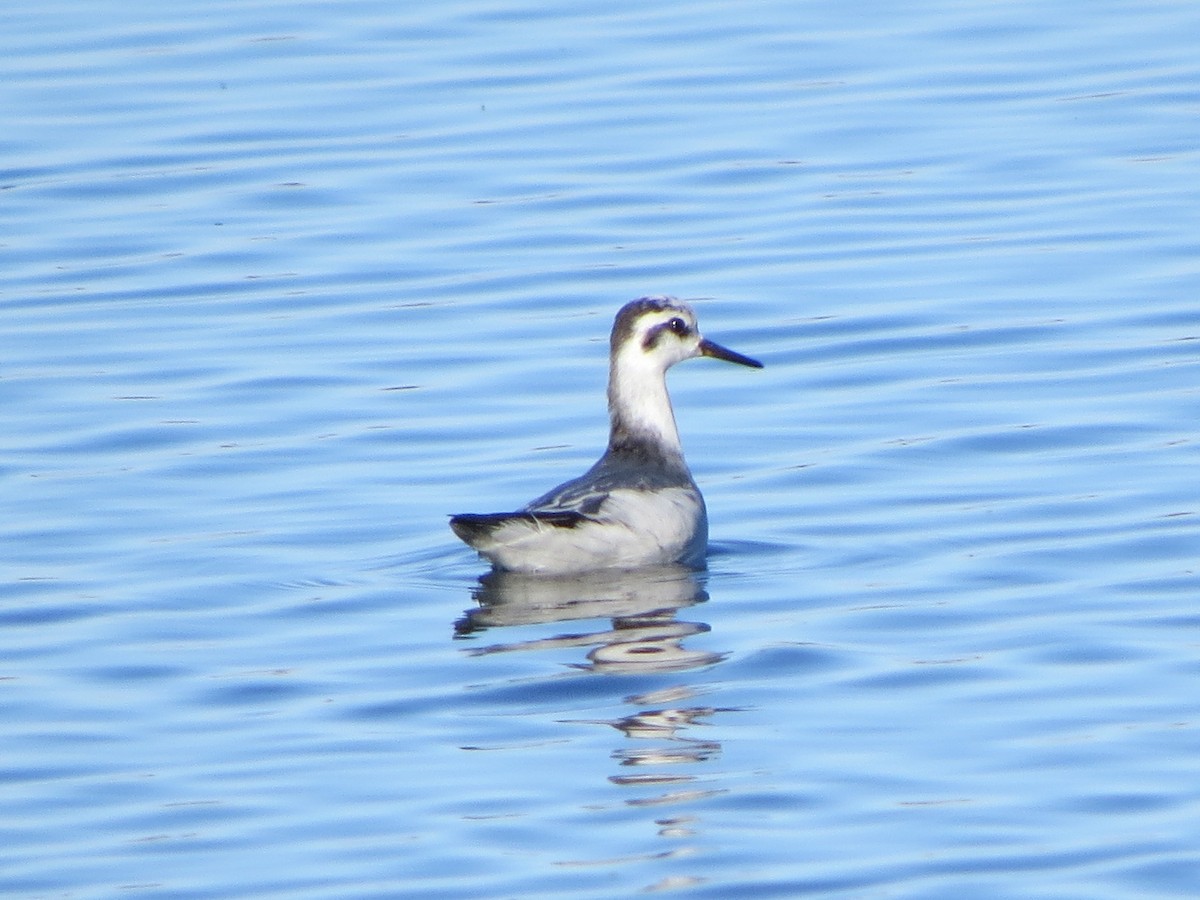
point(638, 505)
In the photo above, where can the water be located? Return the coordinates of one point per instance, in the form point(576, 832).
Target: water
point(285, 285)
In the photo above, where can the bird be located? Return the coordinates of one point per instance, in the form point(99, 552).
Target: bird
point(638, 506)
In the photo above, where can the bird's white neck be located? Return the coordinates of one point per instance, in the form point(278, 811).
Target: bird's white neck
point(639, 407)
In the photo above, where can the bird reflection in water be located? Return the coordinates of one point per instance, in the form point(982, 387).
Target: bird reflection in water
point(645, 636)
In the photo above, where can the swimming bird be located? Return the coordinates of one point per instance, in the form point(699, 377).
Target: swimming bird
point(638, 505)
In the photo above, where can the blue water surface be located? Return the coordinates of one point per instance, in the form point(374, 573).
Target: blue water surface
point(284, 285)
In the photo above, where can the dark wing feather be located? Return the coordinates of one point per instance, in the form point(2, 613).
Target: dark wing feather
point(587, 493)
point(470, 526)
point(581, 499)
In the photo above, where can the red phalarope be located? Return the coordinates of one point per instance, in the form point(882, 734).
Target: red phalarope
point(638, 505)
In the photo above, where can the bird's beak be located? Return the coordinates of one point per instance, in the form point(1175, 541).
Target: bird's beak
point(716, 351)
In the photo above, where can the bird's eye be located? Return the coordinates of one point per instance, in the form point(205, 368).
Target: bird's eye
point(678, 326)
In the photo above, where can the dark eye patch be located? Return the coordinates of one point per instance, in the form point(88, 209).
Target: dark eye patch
point(676, 326)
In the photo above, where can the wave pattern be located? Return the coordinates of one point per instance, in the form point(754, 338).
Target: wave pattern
point(284, 285)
